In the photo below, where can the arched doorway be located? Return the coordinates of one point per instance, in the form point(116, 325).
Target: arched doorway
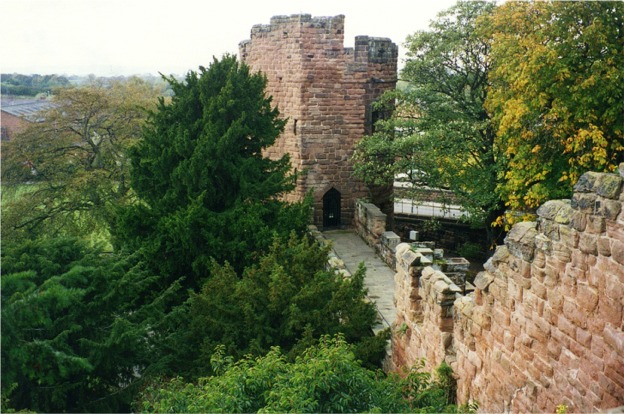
point(331, 208)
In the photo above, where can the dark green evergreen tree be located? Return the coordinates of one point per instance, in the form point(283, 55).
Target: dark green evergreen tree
point(287, 299)
point(76, 327)
point(205, 189)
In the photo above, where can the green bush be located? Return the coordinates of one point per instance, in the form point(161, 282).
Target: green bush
point(471, 250)
point(326, 378)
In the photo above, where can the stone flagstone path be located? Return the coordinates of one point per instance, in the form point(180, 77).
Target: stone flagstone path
point(379, 280)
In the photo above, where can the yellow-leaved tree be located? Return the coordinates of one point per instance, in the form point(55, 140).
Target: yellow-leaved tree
point(556, 95)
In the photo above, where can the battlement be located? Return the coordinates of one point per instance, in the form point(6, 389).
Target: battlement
point(307, 21)
point(545, 317)
point(375, 49)
point(297, 26)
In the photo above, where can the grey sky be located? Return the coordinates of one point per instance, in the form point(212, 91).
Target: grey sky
point(123, 37)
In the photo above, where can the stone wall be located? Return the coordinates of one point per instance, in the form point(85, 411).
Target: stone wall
point(370, 225)
point(325, 91)
point(424, 304)
point(544, 325)
point(334, 262)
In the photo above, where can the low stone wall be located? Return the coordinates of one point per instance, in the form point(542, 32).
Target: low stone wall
point(544, 325)
point(424, 323)
point(370, 225)
point(334, 262)
point(370, 222)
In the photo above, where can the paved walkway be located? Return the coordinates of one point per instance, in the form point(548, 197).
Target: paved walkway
point(379, 279)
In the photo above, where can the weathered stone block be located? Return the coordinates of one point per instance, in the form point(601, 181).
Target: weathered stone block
point(614, 286)
point(410, 258)
point(614, 337)
point(596, 324)
point(588, 243)
point(551, 276)
point(475, 360)
point(580, 260)
point(426, 252)
point(561, 252)
point(578, 221)
point(569, 360)
point(585, 203)
point(574, 314)
point(550, 229)
point(566, 327)
point(554, 348)
point(483, 280)
point(529, 301)
point(609, 310)
point(543, 366)
point(552, 210)
point(569, 237)
point(597, 364)
point(617, 251)
point(610, 209)
point(544, 323)
point(543, 244)
point(455, 264)
point(615, 230)
point(390, 239)
point(609, 186)
point(483, 320)
point(604, 246)
point(521, 240)
point(534, 331)
point(539, 289)
point(584, 337)
point(539, 261)
point(596, 224)
point(587, 182)
point(586, 296)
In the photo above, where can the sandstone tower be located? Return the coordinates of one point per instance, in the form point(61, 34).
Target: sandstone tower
point(325, 90)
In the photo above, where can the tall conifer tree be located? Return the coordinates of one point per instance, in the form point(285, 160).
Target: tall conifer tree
point(206, 191)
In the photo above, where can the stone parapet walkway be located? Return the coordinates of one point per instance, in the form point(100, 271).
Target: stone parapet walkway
point(379, 280)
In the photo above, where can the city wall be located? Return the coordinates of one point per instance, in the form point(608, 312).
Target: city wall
point(544, 325)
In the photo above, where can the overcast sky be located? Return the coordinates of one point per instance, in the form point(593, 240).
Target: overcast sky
point(124, 37)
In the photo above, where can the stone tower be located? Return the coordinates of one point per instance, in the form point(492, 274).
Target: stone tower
point(325, 90)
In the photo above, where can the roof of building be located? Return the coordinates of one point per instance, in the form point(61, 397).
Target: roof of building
point(27, 109)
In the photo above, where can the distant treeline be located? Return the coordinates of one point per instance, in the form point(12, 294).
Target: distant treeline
point(15, 84)
point(30, 85)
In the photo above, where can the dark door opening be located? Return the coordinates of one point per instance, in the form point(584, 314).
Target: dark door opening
point(331, 208)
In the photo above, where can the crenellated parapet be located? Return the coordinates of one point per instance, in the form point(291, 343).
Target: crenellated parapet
point(546, 316)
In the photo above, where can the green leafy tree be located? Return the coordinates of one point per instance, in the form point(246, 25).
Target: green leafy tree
point(288, 299)
point(206, 191)
point(440, 131)
point(31, 85)
point(556, 95)
point(326, 378)
point(64, 174)
point(75, 327)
